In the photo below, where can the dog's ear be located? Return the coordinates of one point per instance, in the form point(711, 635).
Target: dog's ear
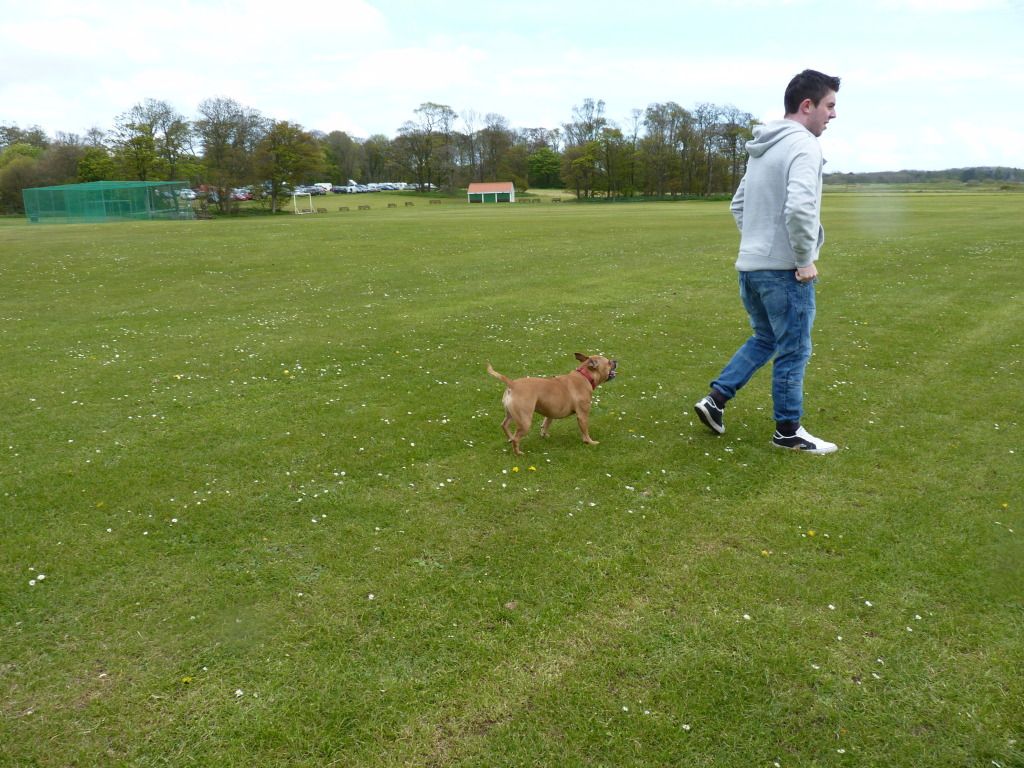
point(581, 357)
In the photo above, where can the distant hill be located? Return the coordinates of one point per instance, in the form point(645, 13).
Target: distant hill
point(962, 175)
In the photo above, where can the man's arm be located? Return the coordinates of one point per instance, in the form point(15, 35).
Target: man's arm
point(736, 207)
point(806, 274)
point(803, 221)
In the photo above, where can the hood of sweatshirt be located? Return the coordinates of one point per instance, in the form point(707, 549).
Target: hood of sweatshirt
point(768, 135)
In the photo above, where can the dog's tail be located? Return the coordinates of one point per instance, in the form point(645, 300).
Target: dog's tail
point(503, 377)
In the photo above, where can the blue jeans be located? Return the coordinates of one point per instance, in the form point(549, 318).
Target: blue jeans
point(782, 314)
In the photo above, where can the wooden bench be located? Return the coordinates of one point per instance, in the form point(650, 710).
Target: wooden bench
point(343, 208)
point(409, 204)
point(321, 210)
point(392, 205)
point(435, 202)
point(364, 207)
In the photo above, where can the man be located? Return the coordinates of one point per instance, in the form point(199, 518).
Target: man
point(777, 208)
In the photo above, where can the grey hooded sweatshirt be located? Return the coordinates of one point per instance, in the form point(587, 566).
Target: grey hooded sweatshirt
point(778, 203)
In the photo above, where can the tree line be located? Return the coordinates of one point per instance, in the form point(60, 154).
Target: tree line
point(960, 175)
point(663, 150)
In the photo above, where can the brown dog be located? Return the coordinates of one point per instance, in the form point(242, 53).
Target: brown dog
point(553, 398)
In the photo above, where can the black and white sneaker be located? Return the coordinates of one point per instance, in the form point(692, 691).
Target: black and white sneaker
point(803, 441)
point(712, 416)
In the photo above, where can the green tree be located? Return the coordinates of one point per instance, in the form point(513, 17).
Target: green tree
point(580, 167)
point(286, 155)
point(514, 166)
point(20, 168)
point(150, 141)
point(135, 151)
point(170, 132)
point(544, 167)
point(175, 147)
point(20, 149)
point(581, 160)
point(16, 174)
point(346, 155)
point(96, 164)
point(378, 150)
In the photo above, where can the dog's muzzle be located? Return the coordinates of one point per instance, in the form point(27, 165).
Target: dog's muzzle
point(611, 373)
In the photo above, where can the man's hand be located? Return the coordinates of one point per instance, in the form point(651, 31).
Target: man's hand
point(806, 274)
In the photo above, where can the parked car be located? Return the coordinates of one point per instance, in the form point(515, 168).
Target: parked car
point(186, 194)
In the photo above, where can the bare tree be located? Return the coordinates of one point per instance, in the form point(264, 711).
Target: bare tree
point(96, 137)
point(469, 156)
point(706, 118)
point(587, 122)
point(229, 134)
point(540, 138)
point(737, 129)
point(12, 134)
point(495, 140)
point(664, 147)
point(59, 162)
point(424, 147)
point(635, 120)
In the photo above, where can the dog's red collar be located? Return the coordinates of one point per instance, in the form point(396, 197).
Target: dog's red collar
point(582, 371)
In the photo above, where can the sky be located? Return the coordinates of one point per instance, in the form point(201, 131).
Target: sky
point(926, 84)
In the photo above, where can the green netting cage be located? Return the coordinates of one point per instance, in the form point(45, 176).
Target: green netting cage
point(107, 201)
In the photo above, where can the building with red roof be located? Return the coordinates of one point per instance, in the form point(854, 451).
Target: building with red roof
point(491, 192)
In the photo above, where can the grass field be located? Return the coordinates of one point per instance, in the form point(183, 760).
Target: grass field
point(257, 509)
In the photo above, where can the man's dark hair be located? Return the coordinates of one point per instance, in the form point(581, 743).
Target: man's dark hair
point(809, 84)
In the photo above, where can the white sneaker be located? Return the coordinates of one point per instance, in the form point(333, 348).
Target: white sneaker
point(712, 416)
point(803, 441)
